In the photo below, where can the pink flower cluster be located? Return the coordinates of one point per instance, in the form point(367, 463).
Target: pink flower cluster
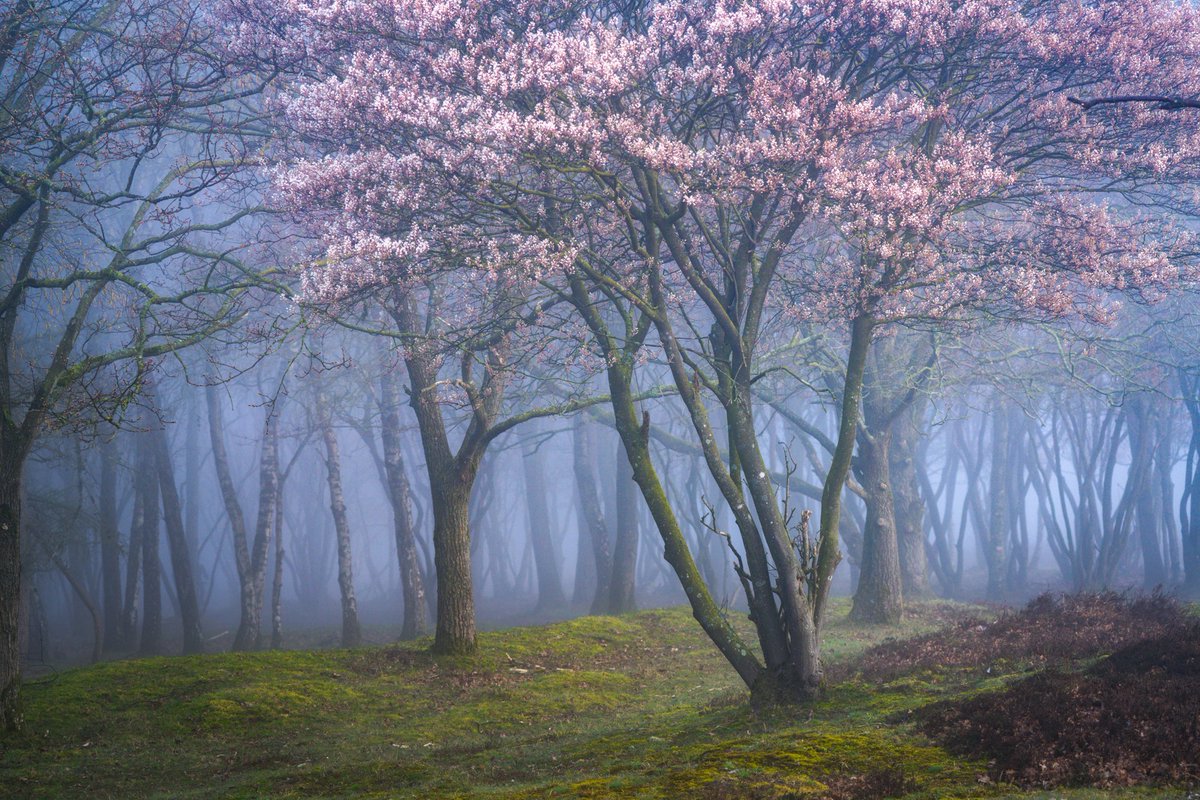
point(909, 158)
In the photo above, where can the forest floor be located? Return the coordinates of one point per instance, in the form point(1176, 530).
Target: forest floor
point(624, 707)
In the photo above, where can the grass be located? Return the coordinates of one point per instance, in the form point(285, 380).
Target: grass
point(639, 706)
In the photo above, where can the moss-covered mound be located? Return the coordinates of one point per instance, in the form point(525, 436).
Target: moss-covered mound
point(638, 706)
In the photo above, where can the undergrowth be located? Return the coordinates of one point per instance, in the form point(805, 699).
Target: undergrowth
point(638, 706)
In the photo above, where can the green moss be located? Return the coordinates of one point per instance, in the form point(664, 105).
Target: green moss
point(636, 706)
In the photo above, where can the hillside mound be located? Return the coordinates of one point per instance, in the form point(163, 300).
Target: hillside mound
point(1132, 717)
point(1051, 630)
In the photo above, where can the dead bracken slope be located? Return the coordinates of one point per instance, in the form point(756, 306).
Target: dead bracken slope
point(1130, 718)
point(1050, 630)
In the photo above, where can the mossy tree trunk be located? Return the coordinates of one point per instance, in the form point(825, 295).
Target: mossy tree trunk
point(878, 598)
point(619, 352)
point(786, 579)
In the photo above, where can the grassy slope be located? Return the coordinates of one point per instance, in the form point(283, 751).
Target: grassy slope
point(635, 706)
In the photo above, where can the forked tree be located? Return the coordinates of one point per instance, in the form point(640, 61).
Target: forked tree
point(691, 178)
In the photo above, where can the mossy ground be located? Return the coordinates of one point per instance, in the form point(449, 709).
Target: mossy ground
point(639, 706)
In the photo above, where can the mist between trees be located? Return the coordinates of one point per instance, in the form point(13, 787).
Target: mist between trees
point(330, 323)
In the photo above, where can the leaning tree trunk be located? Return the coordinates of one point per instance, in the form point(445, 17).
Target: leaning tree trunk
point(636, 452)
point(550, 592)
point(351, 631)
point(879, 597)
point(181, 559)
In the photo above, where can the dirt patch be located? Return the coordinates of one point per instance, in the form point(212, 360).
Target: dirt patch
point(1130, 718)
point(1050, 630)
point(879, 783)
point(874, 785)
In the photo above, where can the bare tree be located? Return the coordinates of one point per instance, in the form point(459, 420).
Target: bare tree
point(116, 126)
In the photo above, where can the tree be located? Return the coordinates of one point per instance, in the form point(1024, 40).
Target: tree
point(400, 495)
point(351, 630)
point(117, 126)
point(691, 177)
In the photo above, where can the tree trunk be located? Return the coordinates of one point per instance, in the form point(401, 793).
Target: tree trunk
point(879, 598)
point(591, 516)
point(110, 546)
point(861, 333)
point(94, 613)
point(622, 596)
point(704, 608)
point(450, 480)
point(181, 559)
point(545, 557)
point(237, 521)
point(1141, 472)
point(1189, 500)
point(11, 467)
point(400, 494)
point(452, 562)
point(249, 633)
point(909, 505)
point(277, 578)
point(133, 568)
point(151, 642)
point(351, 631)
point(995, 535)
point(251, 563)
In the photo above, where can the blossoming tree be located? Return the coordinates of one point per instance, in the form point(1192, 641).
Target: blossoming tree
point(694, 177)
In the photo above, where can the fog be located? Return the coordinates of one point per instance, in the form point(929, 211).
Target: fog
point(1085, 480)
point(291, 361)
